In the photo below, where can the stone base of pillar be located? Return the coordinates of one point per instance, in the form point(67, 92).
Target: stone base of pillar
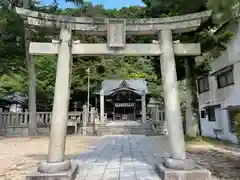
point(189, 171)
point(186, 164)
point(51, 171)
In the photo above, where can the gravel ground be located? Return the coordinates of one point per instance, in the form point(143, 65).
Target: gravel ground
point(223, 161)
point(17, 155)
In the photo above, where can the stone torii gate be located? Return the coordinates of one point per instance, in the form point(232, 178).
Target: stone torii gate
point(116, 31)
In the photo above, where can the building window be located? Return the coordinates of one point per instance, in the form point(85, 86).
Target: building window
point(203, 114)
point(225, 79)
point(211, 114)
point(203, 84)
point(232, 120)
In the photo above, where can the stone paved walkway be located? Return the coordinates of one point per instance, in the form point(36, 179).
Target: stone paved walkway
point(129, 157)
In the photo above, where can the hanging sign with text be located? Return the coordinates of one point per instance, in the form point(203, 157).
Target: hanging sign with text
point(124, 104)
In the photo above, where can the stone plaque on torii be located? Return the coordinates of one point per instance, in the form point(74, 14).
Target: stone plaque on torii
point(116, 31)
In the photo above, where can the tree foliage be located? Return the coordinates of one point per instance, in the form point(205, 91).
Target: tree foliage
point(13, 72)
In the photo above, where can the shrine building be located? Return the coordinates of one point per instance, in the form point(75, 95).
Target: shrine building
point(123, 99)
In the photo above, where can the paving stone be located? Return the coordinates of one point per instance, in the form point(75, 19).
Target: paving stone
point(130, 175)
point(121, 157)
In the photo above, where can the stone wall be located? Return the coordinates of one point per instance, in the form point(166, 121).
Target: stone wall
point(10, 131)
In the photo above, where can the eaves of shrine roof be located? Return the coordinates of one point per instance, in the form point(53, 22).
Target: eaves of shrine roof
point(136, 85)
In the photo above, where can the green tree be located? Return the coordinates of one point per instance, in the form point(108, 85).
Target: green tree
point(12, 50)
point(223, 10)
point(211, 42)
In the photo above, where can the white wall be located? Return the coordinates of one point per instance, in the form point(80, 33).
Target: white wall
point(209, 126)
point(230, 57)
point(217, 96)
point(227, 134)
point(221, 122)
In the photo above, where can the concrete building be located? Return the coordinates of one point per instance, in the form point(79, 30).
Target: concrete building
point(218, 91)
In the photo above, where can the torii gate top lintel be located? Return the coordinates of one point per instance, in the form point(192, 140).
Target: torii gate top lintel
point(116, 31)
point(99, 26)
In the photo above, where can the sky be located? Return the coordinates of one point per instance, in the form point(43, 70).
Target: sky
point(108, 4)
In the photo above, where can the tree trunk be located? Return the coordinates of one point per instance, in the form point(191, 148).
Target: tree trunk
point(191, 121)
point(195, 104)
point(32, 80)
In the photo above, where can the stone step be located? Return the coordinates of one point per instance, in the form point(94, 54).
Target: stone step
point(143, 129)
point(139, 132)
point(112, 127)
point(118, 130)
point(124, 130)
point(125, 127)
point(110, 133)
point(127, 132)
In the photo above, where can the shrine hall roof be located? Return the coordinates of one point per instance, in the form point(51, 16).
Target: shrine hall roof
point(136, 85)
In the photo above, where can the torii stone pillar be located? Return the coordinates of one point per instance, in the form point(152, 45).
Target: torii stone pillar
point(144, 116)
point(57, 142)
point(102, 118)
point(172, 104)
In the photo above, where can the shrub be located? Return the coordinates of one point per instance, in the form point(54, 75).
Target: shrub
point(238, 127)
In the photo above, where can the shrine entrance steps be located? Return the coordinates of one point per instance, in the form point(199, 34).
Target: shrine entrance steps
point(125, 127)
point(123, 157)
